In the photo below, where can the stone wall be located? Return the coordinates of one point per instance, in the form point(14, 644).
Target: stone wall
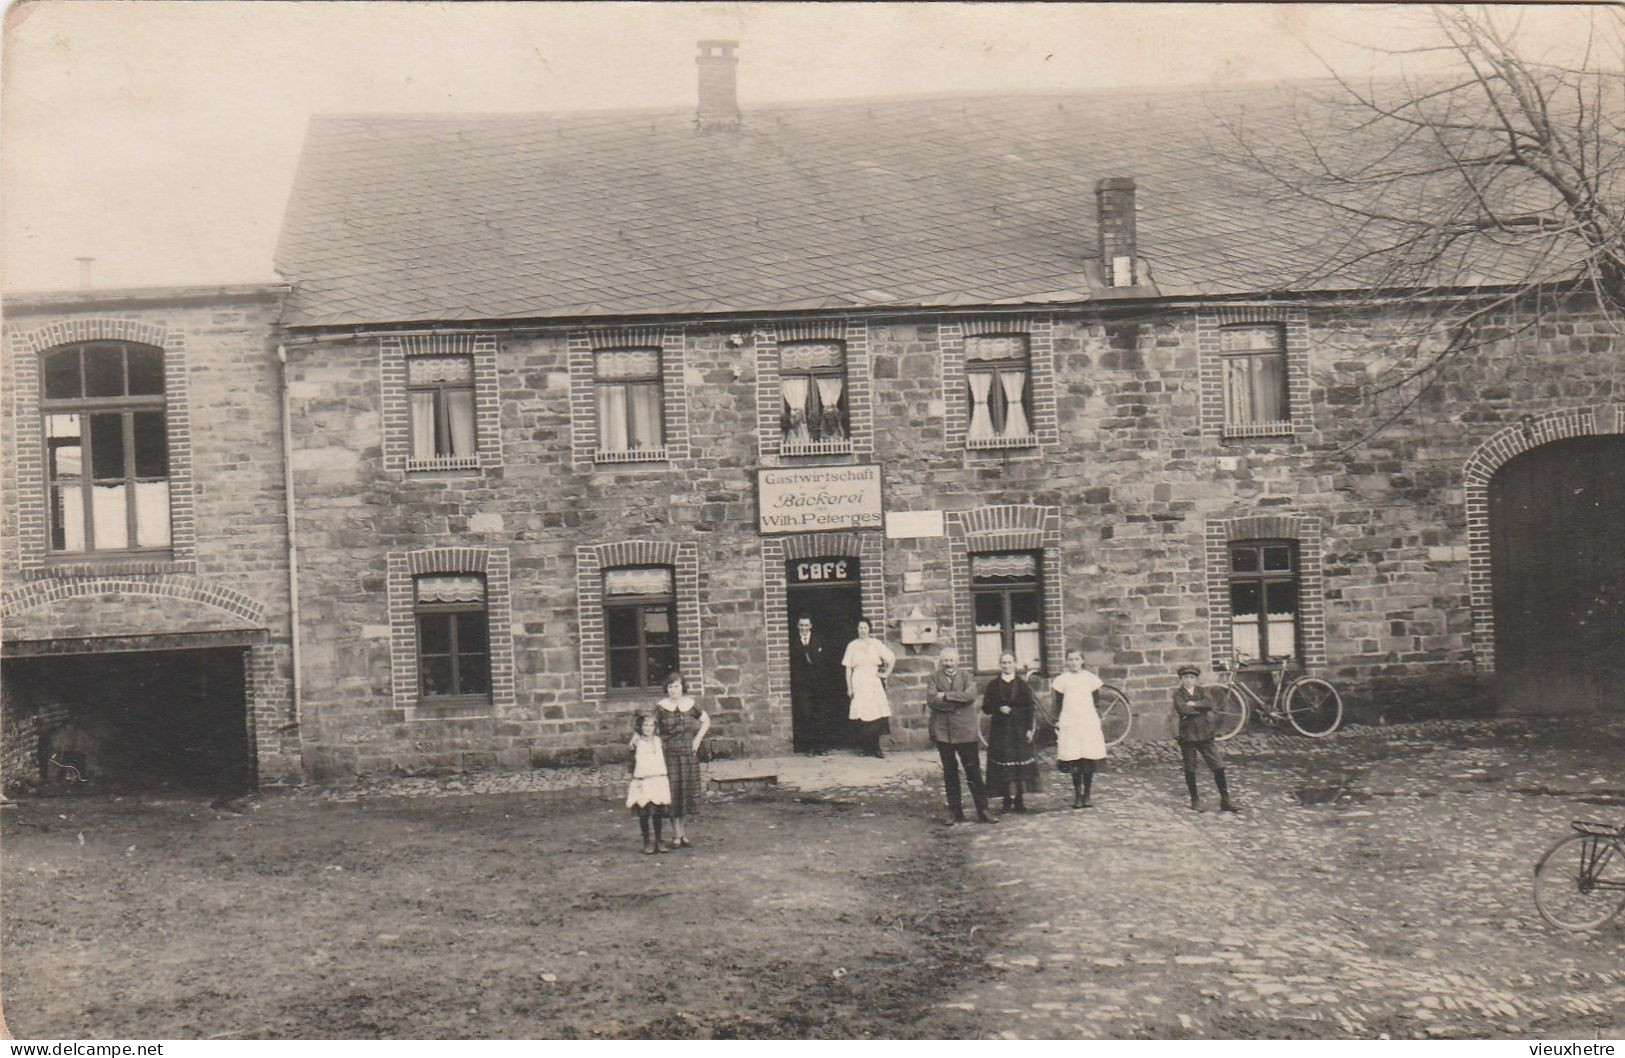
point(227, 568)
point(1145, 486)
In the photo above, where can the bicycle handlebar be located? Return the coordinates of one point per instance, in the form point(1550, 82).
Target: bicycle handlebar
point(1595, 829)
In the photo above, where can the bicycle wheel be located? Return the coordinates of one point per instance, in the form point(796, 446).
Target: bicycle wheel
point(1580, 882)
point(1313, 706)
point(1115, 715)
point(1229, 713)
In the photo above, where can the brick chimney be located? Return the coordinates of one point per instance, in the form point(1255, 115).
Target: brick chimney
point(719, 95)
point(1114, 205)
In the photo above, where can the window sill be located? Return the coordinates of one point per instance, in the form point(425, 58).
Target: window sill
point(1240, 430)
point(443, 463)
point(466, 706)
point(99, 564)
point(842, 447)
point(1025, 440)
point(634, 695)
point(636, 455)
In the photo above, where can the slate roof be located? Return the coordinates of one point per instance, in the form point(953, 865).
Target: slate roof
point(941, 201)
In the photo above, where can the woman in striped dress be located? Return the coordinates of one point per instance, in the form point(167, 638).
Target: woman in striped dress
point(683, 725)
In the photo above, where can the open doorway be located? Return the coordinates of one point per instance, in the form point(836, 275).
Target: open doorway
point(141, 720)
point(826, 593)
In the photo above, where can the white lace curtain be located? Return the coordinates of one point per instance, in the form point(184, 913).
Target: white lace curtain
point(628, 417)
point(795, 403)
point(981, 416)
point(829, 397)
point(637, 582)
point(1015, 415)
point(451, 588)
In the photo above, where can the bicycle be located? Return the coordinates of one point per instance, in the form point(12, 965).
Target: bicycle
point(1116, 716)
point(1310, 704)
point(1580, 881)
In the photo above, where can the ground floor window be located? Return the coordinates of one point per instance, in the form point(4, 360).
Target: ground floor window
point(453, 650)
point(1264, 599)
point(640, 626)
point(1007, 596)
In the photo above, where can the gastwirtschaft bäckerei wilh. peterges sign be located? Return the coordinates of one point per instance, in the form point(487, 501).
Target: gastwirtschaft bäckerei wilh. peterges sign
point(818, 499)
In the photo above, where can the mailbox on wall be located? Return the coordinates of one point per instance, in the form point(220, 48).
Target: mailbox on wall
point(917, 630)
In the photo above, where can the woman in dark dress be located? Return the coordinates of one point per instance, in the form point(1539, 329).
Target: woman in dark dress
point(682, 726)
point(1012, 765)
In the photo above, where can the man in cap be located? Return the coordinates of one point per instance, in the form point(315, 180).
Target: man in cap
point(1194, 714)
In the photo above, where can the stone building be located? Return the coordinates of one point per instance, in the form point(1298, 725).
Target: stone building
point(146, 607)
point(574, 401)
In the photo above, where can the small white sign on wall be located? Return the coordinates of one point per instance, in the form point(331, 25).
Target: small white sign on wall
point(902, 525)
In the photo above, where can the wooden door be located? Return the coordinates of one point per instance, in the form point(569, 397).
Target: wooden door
point(1557, 567)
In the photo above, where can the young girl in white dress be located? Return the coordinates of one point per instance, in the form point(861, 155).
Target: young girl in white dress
point(649, 793)
point(1079, 744)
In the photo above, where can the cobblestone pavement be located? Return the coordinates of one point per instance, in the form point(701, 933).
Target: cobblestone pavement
point(1376, 885)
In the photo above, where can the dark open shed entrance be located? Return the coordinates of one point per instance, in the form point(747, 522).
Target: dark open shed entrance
point(1557, 562)
point(136, 720)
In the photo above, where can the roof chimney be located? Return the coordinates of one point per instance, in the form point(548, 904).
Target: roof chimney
point(719, 96)
point(1114, 205)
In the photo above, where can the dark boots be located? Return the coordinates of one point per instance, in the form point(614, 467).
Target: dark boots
point(1190, 784)
point(1225, 804)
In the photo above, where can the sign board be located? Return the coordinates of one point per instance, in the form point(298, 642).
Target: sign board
point(904, 524)
point(818, 499)
point(822, 571)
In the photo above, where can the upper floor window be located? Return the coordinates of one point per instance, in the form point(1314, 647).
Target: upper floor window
point(440, 406)
point(106, 447)
point(640, 626)
point(454, 653)
point(998, 370)
point(813, 407)
point(631, 422)
point(1253, 358)
point(1007, 599)
point(1264, 599)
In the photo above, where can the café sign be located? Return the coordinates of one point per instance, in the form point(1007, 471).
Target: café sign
point(818, 499)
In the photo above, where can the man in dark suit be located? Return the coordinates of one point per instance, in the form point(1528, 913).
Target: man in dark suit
point(810, 687)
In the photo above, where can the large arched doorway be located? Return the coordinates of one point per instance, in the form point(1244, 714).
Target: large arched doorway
point(1557, 567)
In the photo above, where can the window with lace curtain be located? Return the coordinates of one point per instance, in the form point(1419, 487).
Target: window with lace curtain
point(453, 648)
point(631, 419)
point(1007, 602)
point(640, 627)
point(1264, 599)
point(813, 400)
point(998, 371)
point(1253, 358)
point(440, 411)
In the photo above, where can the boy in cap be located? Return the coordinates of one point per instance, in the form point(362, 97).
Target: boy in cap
point(1196, 727)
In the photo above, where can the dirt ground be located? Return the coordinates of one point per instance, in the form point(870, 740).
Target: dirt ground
point(502, 916)
point(1378, 884)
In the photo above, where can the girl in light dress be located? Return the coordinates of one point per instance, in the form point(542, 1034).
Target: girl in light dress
point(1079, 744)
point(648, 794)
point(868, 662)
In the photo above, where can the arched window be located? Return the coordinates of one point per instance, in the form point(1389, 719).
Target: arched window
point(106, 447)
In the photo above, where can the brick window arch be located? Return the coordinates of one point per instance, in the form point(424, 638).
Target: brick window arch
point(145, 447)
point(429, 593)
point(1265, 562)
point(592, 563)
point(1007, 558)
point(1477, 471)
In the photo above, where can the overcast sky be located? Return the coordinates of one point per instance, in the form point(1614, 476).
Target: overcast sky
point(160, 138)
